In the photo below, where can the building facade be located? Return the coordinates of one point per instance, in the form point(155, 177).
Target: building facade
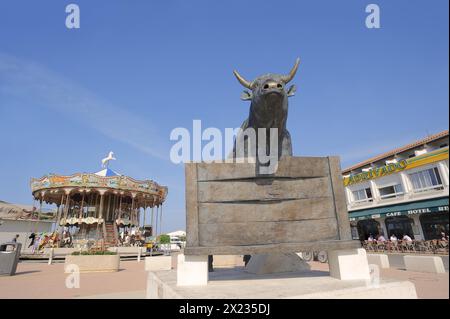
point(403, 191)
point(16, 219)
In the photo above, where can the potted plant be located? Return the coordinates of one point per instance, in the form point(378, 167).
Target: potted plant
point(92, 261)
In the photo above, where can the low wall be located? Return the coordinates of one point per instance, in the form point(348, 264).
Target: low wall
point(128, 251)
point(59, 251)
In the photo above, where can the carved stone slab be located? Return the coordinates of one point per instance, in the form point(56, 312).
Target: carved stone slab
point(232, 210)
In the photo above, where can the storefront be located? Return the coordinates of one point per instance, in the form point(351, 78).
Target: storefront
point(434, 224)
point(425, 219)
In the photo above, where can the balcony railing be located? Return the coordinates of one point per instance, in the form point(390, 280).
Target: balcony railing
point(433, 190)
point(429, 188)
point(365, 200)
point(393, 195)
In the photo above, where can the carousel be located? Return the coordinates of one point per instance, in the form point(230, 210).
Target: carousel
point(100, 209)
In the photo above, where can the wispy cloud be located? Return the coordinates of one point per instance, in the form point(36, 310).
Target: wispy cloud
point(28, 80)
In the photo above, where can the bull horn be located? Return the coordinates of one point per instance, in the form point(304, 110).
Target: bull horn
point(243, 81)
point(290, 76)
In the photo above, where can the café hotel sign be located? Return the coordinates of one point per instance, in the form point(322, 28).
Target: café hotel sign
point(404, 164)
point(380, 214)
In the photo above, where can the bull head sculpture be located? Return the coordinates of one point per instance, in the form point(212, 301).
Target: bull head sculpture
point(268, 110)
point(268, 83)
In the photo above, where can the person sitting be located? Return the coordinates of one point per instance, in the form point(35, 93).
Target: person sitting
point(444, 237)
point(127, 240)
point(381, 238)
point(66, 239)
point(407, 238)
point(370, 238)
point(393, 238)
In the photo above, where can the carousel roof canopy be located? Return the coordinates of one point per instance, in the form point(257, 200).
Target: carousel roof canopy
point(107, 172)
point(51, 187)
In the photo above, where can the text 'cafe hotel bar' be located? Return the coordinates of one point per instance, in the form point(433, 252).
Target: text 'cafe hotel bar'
point(403, 191)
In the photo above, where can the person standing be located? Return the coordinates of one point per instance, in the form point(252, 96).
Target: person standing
point(14, 240)
point(246, 259)
point(210, 263)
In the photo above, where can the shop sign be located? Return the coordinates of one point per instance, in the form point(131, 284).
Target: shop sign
point(393, 214)
point(419, 211)
point(400, 213)
point(376, 172)
point(405, 164)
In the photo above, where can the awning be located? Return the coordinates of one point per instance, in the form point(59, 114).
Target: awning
point(411, 208)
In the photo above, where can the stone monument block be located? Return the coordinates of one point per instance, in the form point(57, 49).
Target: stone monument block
point(349, 264)
point(192, 270)
point(233, 210)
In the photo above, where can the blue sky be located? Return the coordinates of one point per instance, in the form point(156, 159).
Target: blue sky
point(136, 70)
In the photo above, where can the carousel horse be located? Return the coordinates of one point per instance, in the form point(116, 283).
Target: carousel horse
point(54, 239)
point(43, 242)
point(106, 160)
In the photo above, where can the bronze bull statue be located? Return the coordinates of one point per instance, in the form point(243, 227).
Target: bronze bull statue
point(268, 109)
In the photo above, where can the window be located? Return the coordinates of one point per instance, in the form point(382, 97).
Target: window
point(390, 191)
point(399, 226)
point(362, 195)
point(426, 180)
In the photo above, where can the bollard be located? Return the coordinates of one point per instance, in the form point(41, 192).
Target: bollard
point(50, 257)
point(139, 254)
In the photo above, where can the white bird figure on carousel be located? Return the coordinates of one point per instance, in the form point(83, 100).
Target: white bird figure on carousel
point(106, 160)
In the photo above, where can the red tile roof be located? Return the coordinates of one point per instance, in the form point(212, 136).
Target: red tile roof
point(395, 151)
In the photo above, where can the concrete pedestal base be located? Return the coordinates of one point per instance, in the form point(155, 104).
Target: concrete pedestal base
point(381, 260)
point(237, 284)
point(349, 264)
point(431, 264)
point(192, 270)
point(227, 261)
point(276, 263)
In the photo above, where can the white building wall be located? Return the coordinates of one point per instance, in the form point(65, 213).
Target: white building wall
point(443, 170)
point(402, 178)
point(9, 229)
